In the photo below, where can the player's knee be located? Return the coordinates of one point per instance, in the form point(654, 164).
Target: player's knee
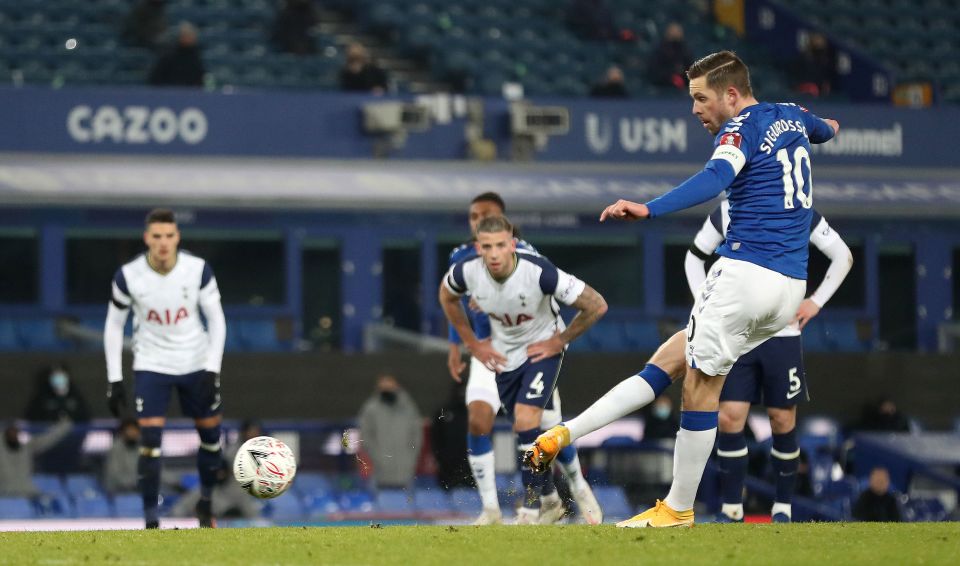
point(209, 438)
point(782, 421)
point(728, 422)
point(150, 439)
point(480, 419)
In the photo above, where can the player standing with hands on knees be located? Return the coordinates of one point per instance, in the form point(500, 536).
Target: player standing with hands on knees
point(167, 289)
point(761, 160)
point(519, 292)
point(483, 399)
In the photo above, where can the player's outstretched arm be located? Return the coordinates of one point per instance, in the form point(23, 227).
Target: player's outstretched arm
point(590, 306)
point(625, 210)
point(481, 349)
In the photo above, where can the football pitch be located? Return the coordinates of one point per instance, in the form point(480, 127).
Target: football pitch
point(822, 543)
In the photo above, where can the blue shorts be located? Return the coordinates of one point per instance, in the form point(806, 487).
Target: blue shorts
point(771, 374)
point(530, 384)
point(152, 391)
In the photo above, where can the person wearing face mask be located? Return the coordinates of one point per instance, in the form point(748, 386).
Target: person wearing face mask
point(55, 397)
point(669, 62)
point(392, 430)
point(661, 422)
point(17, 457)
point(120, 466)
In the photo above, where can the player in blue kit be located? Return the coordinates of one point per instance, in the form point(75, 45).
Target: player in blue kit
point(772, 373)
point(761, 160)
point(167, 290)
point(520, 293)
point(483, 401)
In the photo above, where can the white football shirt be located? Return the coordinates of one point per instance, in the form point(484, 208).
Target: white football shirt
point(168, 335)
point(523, 309)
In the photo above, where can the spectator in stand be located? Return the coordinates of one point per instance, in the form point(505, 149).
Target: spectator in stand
point(883, 416)
point(55, 397)
point(16, 457)
point(391, 429)
point(591, 20)
point(293, 26)
point(181, 65)
point(667, 66)
point(877, 503)
point(120, 466)
point(611, 86)
point(661, 422)
point(145, 24)
point(816, 69)
point(448, 440)
point(360, 74)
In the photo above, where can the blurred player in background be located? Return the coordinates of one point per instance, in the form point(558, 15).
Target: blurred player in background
point(772, 373)
point(483, 399)
point(762, 160)
point(519, 291)
point(167, 290)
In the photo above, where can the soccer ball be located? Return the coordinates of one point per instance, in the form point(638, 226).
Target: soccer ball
point(265, 467)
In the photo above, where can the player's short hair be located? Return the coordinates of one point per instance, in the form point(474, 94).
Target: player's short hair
point(494, 224)
point(722, 69)
point(491, 197)
point(161, 216)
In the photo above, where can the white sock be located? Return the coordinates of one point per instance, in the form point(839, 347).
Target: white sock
point(733, 510)
point(485, 476)
point(626, 397)
point(690, 457)
point(574, 473)
point(785, 508)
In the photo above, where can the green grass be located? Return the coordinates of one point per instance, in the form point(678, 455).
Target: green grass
point(823, 543)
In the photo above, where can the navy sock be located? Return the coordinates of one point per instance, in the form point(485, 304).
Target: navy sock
point(732, 462)
point(532, 483)
point(209, 459)
point(786, 458)
point(567, 454)
point(148, 470)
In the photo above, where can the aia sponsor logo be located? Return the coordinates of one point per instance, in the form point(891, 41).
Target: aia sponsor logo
point(508, 321)
point(732, 138)
point(167, 316)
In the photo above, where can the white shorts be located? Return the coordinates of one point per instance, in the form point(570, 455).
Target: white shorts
point(737, 308)
point(482, 386)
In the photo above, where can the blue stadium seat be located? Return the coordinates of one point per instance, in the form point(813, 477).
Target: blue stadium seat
point(435, 499)
point(613, 501)
point(258, 335)
point(507, 483)
point(320, 505)
point(466, 500)
point(82, 485)
point(49, 483)
point(312, 484)
point(16, 508)
point(128, 505)
point(356, 501)
point(286, 507)
point(643, 335)
point(92, 505)
point(394, 501)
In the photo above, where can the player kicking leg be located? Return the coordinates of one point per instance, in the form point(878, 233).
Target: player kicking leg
point(631, 394)
point(569, 463)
